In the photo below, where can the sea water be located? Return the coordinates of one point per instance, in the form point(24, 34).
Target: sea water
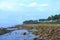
point(18, 35)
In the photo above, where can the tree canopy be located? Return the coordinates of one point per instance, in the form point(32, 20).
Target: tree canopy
point(55, 17)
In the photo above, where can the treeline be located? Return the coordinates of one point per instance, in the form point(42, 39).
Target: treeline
point(31, 22)
point(55, 18)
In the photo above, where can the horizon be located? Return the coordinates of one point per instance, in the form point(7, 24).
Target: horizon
point(13, 12)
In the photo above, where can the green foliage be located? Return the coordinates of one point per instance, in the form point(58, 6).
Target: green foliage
point(42, 19)
point(55, 19)
point(49, 18)
point(30, 22)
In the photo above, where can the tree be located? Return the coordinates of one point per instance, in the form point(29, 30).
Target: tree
point(36, 21)
point(30, 22)
point(55, 17)
point(49, 18)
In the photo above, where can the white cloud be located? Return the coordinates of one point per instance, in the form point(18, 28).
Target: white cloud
point(14, 6)
point(22, 5)
point(32, 4)
point(40, 7)
point(43, 5)
point(6, 5)
point(11, 6)
point(35, 4)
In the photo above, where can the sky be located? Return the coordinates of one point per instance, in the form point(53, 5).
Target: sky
point(13, 12)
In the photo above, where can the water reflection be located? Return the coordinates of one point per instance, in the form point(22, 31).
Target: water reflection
point(18, 35)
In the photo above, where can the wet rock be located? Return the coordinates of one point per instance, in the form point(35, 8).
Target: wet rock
point(35, 38)
point(58, 38)
point(4, 31)
point(24, 33)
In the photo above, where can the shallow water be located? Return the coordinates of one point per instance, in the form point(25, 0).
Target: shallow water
point(18, 35)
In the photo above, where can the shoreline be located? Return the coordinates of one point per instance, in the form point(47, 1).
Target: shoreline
point(50, 31)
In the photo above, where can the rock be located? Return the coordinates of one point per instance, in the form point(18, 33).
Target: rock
point(24, 33)
point(35, 38)
point(4, 31)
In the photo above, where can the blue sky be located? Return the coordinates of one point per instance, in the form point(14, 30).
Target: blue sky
point(16, 11)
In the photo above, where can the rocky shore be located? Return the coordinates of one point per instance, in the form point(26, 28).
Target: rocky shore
point(4, 31)
point(49, 31)
point(44, 31)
